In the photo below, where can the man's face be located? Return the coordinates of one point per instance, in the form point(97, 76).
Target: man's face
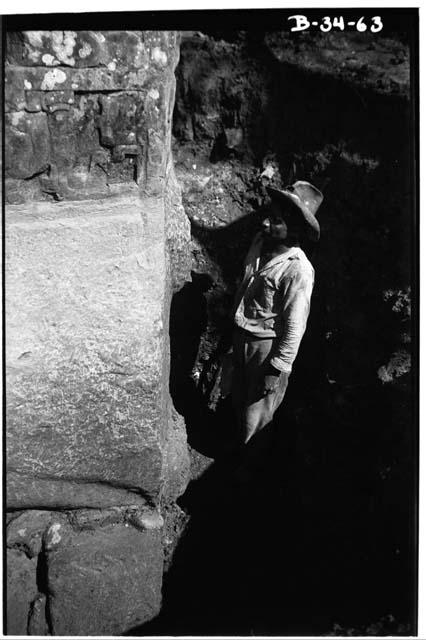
point(281, 222)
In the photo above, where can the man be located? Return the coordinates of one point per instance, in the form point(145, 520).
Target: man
point(272, 306)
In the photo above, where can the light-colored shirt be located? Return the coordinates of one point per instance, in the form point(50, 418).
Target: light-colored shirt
point(273, 300)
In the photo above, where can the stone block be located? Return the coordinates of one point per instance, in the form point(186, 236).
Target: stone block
point(27, 144)
point(83, 49)
point(103, 582)
point(26, 531)
point(54, 48)
point(87, 354)
point(14, 89)
point(37, 620)
point(95, 518)
point(178, 461)
point(125, 49)
point(21, 591)
point(66, 79)
point(25, 492)
point(162, 47)
point(88, 112)
point(19, 191)
point(178, 231)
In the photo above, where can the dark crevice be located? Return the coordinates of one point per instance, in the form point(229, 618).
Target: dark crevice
point(42, 584)
point(118, 92)
point(41, 573)
point(39, 172)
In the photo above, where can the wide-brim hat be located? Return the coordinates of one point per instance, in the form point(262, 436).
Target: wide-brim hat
point(307, 199)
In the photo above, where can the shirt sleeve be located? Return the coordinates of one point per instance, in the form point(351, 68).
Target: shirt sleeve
point(249, 264)
point(296, 306)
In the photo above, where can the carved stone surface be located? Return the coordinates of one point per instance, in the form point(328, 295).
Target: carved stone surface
point(85, 49)
point(26, 144)
point(87, 112)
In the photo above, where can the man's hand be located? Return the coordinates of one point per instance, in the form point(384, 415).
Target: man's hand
point(271, 381)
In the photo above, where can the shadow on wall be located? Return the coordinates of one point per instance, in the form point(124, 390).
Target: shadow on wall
point(188, 322)
point(314, 541)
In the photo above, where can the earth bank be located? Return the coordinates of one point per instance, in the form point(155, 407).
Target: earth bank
point(323, 541)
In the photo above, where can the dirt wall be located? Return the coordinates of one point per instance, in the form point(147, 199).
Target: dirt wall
point(257, 108)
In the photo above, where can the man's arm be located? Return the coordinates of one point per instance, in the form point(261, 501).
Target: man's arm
point(296, 306)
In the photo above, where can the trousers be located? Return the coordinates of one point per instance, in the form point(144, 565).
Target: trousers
point(251, 358)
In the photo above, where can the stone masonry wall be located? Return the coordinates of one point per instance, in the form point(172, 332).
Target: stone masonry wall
point(94, 232)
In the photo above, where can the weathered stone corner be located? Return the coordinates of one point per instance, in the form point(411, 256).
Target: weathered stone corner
point(87, 113)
